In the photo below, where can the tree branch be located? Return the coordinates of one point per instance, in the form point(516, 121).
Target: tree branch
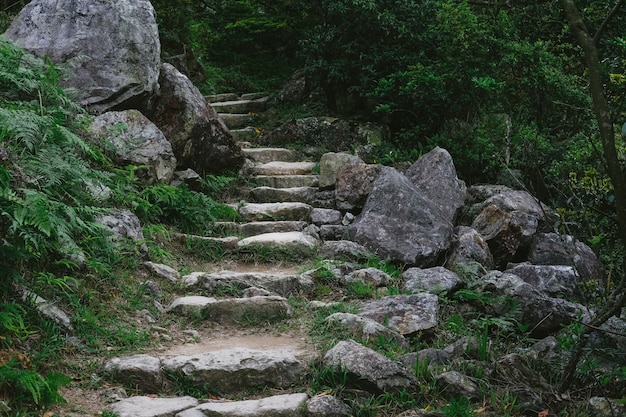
point(607, 20)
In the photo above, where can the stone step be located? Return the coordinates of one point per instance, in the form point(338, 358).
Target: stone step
point(265, 155)
point(293, 242)
point(284, 168)
point(286, 181)
point(277, 405)
point(275, 211)
point(260, 228)
point(244, 135)
point(283, 284)
point(231, 310)
point(288, 195)
point(242, 106)
point(237, 121)
point(253, 96)
point(216, 98)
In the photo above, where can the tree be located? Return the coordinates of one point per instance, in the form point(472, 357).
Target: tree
point(606, 121)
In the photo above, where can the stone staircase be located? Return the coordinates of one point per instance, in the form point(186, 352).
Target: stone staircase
point(284, 211)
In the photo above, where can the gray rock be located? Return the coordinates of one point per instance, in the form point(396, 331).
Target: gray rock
point(164, 271)
point(331, 163)
point(276, 211)
point(280, 226)
point(455, 384)
point(137, 141)
point(321, 216)
point(434, 175)
point(109, 76)
point(151, 407)
point(543, 314)
point(279, 283)
point(327, 406)
point(124, 225)
point(554, 249)
point(277, 195)
point(606, 407)
point(48, 309)
point(232, 310)
point(334, 232)
point(399, 223)
point(275, 406)
point(368, 369)
point(354, 184)
point(238, 369)
point(434, 280)
point(559, 281)
point(365, 328)
point(142, 373)
point(283, 168)
point(372, 276)
point(502, 234)
point(343, 250)
point(468, 249)
point(264, 155)
point(200, 139)
point(299, 242)
point(406, 314)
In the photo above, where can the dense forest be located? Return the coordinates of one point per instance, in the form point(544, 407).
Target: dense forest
point(524, 93)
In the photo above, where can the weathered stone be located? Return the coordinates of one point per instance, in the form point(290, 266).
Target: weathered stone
point(344, 250)
point(368, 369)
point(434, 175)
point(606, 407)
point(327, 406)
point(243, 106)
point(275, 406)
point(354, 183)
point(284, 168)
point(265, 155)
point(232, 310)
point(559, 281)
point(554, 249)
point(124, 225)
point(105, 75)
point(434, 280)
point(286, 181)
point(276, 211)
point(331, 163)
point(369, 276)
point(320, 216)
point(238, 369)
point(259, 228)
point(291, 241)
point(48, 309)
point(399, 223)
point(455, 384)
point(334, 232)
point(164, 271)
point(279, 283)
point(236, 121)
point(191, 306)
point(283, 195)
point(200, 139)
point(406, 314)
point(151, 407)
point(543, 314)
point(468, 249)
point(137, 141)
point(365, 328)
point(142, 373)
point(501, 233)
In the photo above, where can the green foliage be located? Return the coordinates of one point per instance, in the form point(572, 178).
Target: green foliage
point(27, 387)
point(458, 408)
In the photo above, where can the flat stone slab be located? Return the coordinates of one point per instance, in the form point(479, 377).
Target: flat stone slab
point(238, 369)
point(232, 310)
point(236, 121)
point(280, 283)
point(229, 242)
point(259, 228)
point(140, 372)
point(287, 240)
point(278, 405)
point(288, 195)
point(241, 106)
point(284, 168)
point(406, 314)
point(141, 406)
point(265, 155)
point(286, 181)
point(275, 211)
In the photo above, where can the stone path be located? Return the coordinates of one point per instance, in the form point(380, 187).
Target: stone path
point(278, 214)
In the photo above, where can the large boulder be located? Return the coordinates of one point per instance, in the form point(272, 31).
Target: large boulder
point(137, 141)
point(434, 175)
point(398, 222)
point(353, 185)
point(200, 139)
point(112, 46)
